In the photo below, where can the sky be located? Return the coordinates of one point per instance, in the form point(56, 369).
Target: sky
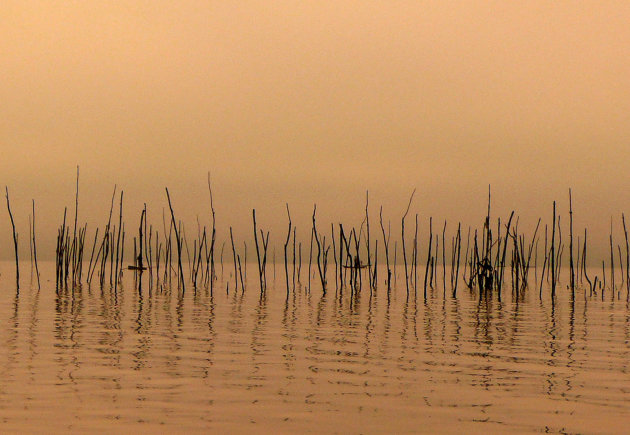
point(315, 102)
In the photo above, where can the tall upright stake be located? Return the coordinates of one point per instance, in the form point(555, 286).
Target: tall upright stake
point(178, 241)
point(260, 272)
point(212, 240)
point(367, 220)
point(403, 240)
point(118, 263)
point(15, 241)
point(426, 270)
point(35, 248)
point(625, 231)
point(74, 231)
point(386, 244)
point(571, 246)
point(612, 260)
point(553, 257)
point(235, 264)
point(286, 244)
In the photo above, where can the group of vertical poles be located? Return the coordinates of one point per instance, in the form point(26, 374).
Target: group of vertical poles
point(486, 266)
point(70, 251)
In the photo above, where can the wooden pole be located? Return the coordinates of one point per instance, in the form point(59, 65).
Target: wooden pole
point(286, 244)
point(179, 244)
point(15, 241)
point(35, 247)
point(572, 270)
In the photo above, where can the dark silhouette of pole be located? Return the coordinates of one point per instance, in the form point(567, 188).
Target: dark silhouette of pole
point(15, 241)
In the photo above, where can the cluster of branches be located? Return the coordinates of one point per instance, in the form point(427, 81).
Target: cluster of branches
point(491, 252)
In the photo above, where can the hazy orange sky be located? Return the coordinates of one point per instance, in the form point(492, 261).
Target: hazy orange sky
point(315, 101)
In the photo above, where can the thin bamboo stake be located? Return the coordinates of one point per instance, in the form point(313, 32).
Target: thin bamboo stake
point(403, 240)
point(426, 270)
point(625, 231)
point(235, 264)
point(553, 259)
point(260, 273)
point(572, 280)
point(286, 244)
point(15, 241)
point(177, 240)
point(386, 244)
point(35, 247)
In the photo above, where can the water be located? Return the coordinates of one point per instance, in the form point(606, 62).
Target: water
point(92, 360)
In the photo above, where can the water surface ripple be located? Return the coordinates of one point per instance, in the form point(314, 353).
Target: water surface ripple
point(92, 359)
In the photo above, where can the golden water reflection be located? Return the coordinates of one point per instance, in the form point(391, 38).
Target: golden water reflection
point(89, 359)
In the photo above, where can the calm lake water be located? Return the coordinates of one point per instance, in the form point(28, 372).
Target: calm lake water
point(98, 361)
